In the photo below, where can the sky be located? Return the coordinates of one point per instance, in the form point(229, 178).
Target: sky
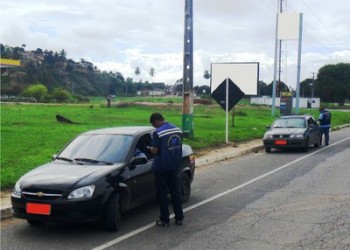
point(121, 35)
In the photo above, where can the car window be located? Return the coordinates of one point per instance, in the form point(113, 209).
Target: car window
point(142, 144)
point(312, 121)
point(289, 123)
point(104, 148)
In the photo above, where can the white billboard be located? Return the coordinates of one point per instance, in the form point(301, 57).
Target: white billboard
point(244, 74)
point(288, 26)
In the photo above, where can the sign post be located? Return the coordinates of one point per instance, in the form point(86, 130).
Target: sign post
point(230, 82)
point(227, 95)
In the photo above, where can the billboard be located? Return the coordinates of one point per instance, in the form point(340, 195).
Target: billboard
point(244, 74)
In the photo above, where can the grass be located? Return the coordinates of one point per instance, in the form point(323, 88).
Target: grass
point(30, 134)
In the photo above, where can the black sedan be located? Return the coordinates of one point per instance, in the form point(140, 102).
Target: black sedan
point(295, 131)
point(97, 177)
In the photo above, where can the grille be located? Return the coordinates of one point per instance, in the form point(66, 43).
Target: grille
point(41, 195)
point(280, 136)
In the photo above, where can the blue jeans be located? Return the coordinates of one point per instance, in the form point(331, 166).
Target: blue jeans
point(325, 132)
point(168, 181)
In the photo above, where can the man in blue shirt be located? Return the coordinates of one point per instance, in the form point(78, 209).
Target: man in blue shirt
point(167, 148)
point(325, 124)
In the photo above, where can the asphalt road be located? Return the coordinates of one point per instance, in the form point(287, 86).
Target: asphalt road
point(282, 200)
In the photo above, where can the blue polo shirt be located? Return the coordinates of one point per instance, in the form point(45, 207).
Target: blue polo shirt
point(168, 139)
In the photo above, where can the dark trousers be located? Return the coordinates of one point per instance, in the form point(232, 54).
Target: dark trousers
point(168, 181)
point(325, 132)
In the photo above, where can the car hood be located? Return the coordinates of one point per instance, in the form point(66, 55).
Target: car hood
point(64, 176)
point(286, 130)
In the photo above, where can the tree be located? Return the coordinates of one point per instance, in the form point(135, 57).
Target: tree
point(206, 75)
point(333, 83)
point(137, 71)
point(61, 95)
point(38, 91)
point(306, 88)
point(263, 89)
point(152, 72)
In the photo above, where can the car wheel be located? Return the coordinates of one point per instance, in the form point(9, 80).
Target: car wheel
point(317, 144)
point(34, 222)
point(306, 147)
point(268, 150)
point(185, 187)
point(112, 214)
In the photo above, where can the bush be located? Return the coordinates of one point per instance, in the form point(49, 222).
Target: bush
point(81, 99)
point(38, 91)
point(61, 95)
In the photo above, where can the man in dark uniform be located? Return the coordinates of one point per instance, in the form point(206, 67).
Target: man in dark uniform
point(325, 124)
point(167, 148)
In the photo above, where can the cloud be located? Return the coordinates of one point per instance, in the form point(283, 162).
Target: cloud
point(121, 35)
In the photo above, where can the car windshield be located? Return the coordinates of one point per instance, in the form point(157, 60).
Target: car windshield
point(93, 148)
point(289, 123)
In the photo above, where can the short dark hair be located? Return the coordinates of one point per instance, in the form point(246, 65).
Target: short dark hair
point(156, 117)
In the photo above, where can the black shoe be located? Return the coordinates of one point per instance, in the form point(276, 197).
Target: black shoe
point(178, 222)
point(162, 223)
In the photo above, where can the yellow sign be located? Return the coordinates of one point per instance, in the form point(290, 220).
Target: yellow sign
point(5, 63)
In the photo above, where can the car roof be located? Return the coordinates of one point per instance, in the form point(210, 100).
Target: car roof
point(125, 130)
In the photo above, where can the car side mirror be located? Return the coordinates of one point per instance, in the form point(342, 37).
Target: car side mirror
point(138, 160)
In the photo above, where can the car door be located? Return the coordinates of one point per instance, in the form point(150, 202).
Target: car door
point(313, 130)
point(141, 177)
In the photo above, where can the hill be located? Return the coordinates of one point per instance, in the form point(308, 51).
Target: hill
point(54, 70)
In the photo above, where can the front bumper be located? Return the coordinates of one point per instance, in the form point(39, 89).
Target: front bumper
point(62, 210)
point(284, 143)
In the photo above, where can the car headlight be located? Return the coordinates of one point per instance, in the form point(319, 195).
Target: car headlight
point(82, 193)
point(268, 136)
point(299, 136)
point(17, 191)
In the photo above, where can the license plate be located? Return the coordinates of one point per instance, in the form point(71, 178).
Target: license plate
point(281, 142)
point(34, 208)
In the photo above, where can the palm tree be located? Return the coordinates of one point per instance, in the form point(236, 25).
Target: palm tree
point(137, 71)
point(206, 74)
point(152, 72)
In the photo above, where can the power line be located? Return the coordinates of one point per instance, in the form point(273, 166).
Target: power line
point(313, 13)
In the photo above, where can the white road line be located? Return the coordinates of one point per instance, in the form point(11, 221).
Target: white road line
point(150, 225)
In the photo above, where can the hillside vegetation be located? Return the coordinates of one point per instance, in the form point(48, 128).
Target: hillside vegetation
point(55, 70)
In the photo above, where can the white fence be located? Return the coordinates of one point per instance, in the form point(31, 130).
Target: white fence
point(303, 102)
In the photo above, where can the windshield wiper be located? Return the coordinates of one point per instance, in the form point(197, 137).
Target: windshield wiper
point(63, 159)
point(93, 161)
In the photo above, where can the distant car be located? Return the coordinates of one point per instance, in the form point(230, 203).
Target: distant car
point(295, 131)
point(97, 177)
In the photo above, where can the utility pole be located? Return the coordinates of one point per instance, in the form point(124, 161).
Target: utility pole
point(187, 89)
point(313, 85)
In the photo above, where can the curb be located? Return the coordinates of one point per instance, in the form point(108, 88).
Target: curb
point(208, 160)
point(6, 212)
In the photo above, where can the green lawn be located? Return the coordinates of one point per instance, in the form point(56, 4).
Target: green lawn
point(30, 134)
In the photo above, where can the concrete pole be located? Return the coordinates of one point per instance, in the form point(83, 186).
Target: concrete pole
point(187, 93)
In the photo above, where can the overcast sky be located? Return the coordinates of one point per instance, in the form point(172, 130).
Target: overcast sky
point(120, 35)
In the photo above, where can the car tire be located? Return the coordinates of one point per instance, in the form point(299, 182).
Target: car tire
point(185, 187)
point(34, 222)
point(112, 214)
point(268, 150)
